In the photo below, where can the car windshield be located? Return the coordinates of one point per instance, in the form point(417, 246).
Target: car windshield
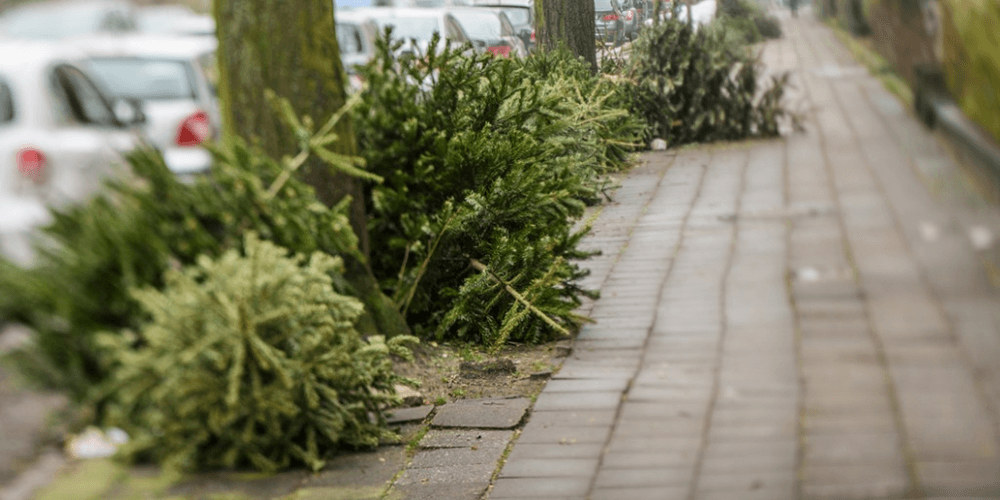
point(518, 15)
point(405, 28)
point(480, 25)
point(52, 23)
point(146, 79)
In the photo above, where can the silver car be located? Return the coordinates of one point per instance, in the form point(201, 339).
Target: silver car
point(163, 73)
point(61, 135)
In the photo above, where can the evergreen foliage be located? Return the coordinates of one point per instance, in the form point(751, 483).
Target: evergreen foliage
point(249, 361)
point(701, 86)
point(93, 253)
point(486, 160)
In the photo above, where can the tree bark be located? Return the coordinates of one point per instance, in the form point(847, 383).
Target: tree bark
point(568, 22)
point(290, 47)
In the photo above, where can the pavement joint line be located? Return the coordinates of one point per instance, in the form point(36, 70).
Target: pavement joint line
point(909, 455)
point(677, 246)
point(723, 328)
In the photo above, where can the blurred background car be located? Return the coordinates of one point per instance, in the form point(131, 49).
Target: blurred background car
point(164, 74)
point(416, 26)
point(521, 14)
point(174, 19)
point(490, 30)
point(356, 34)
point(66, 18)
point(61, 135)
point(609, 22)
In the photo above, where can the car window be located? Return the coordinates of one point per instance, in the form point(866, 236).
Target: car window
point(349, 39)
point(518, 15)
point(420, 28)
point(6, 104)
point(484, 25)
point(81, 98)
point(506, 28)
point(455, 31)
point(145, 79)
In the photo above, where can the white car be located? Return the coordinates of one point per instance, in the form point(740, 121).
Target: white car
point(165, 74)
point(61, 135)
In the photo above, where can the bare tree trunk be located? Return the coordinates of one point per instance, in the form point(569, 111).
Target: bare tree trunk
point(290, 47)
point(569, 22)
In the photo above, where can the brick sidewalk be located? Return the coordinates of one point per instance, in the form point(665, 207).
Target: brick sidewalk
point(778, 322)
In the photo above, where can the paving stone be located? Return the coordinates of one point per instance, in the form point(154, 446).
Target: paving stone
point(654, 444)
point(446, 457)
point(473, 473)
point(557, 450)
point(549, 467)
point(974, 477)
point(852, 448)
point(439, 491)
point(550, 401)
point(537, 433)
point(645, 409)
point(646, 459)
point(643, 477)
point(549, 487)
point(401, 415)
point(482, 413)
point(659, 427)
point(464, 438)
point(373, 468)
point(586, 385)
point(746, 481)
point(648, 493)
point(573, 418)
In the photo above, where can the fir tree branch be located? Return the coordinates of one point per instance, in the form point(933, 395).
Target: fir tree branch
point(479, 266)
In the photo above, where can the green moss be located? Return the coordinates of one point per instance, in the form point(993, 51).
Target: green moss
point(970, 55)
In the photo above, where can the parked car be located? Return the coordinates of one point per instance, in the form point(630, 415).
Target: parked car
point(65, 18)
point(174, 20)
point(165, 75)
point(61, 135)
point(521, 14)
point(416, 25)
point(490, 30)
point(617, 21)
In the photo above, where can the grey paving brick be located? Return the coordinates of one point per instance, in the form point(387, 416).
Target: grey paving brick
point(654, 444)
point(557, 450)
point(482, 413)
point(648, 493)
point(537, 433)
point(549, 467)
point(586, 385)
point(643, 477)
point(607, 400)
point(647, 459)
point(549, 487)
point(573, 418)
